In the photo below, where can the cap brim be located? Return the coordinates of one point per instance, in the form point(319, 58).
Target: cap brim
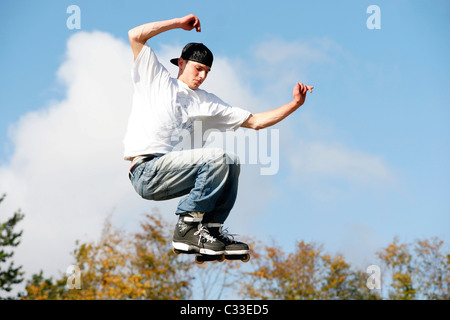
point(174, 61)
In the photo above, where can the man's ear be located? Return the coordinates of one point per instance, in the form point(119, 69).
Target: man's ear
point(181, 66)
point(181, 62)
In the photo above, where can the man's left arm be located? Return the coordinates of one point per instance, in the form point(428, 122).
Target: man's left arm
point(266, 119)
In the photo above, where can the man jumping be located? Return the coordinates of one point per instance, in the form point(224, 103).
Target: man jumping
point(163, 108)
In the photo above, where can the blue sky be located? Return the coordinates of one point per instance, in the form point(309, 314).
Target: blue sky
point(365, 159)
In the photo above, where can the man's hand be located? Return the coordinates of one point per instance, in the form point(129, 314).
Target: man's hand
point(190, 22)
point(269, 118)
point(299, 93)
point(139, 35)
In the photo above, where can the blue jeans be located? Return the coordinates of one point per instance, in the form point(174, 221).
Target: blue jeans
point(207, 178)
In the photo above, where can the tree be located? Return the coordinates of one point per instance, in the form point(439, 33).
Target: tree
point(9, 274)
point(306, 273)
point(39, 288)
point(122, 266)
point(142, 265)
point(418, 270)
point(433, 269)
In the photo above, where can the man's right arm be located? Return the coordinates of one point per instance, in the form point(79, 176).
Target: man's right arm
point(138, 36)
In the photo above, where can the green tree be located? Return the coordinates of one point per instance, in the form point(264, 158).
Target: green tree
point(10, 275)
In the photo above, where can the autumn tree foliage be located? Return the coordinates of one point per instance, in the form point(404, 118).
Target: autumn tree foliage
point(418, 270)
point(307, 273)
point(122, 266)
point(142, 265)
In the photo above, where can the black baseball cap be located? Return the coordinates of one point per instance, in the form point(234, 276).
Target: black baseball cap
point(196, 52)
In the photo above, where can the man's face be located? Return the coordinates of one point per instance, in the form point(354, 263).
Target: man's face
point(192, 73)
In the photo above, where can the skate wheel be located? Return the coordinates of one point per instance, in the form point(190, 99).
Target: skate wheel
point(245, 258)
point(203, 258)
point(198, 260)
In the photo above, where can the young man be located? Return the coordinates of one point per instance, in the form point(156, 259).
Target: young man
point(164, 108)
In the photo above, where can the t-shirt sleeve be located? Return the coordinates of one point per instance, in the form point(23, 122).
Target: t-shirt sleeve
point(147, 70)
point(222, 116)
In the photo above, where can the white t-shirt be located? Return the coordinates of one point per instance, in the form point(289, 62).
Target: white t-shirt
point(165, 108)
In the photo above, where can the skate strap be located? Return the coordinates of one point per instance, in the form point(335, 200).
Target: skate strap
point(212, 225)
point(192, 219)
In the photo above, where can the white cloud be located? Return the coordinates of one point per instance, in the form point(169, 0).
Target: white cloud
point(329, 171)
point(280, 64)
point(66, 172)
point(324, 160)
point(312, 151)
point(294, 53)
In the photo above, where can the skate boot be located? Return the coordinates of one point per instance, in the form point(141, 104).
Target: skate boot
point(234, 250)
point(190, 236)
